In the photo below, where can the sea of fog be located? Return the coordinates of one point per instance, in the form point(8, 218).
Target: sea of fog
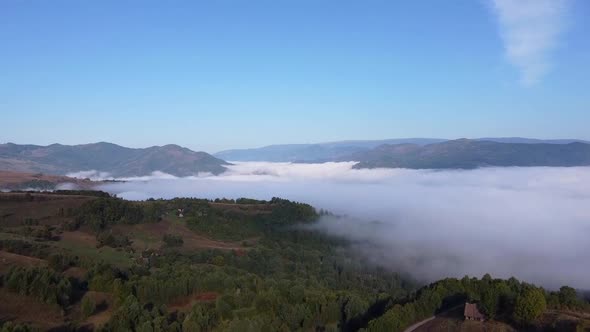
point(532, 223)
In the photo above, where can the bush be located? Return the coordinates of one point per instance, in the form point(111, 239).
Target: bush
point(60, 262)
point(171, 240)
point(88, 306)
point(14, 327)
point(112, 240)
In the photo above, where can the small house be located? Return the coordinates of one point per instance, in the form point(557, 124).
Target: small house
point(472, 312)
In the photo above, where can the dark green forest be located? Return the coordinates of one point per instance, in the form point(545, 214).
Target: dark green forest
point(271, 274)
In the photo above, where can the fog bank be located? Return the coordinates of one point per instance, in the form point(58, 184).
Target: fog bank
point(531, 223)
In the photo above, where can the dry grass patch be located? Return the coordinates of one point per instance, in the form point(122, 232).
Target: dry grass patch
point(7, 260)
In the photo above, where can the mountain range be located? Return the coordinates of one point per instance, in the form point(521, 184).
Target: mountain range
point(416, 153)
point(468, 154)
point(333, 151)
point(118, 161)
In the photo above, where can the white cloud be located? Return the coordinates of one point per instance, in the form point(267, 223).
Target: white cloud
point(532, 223)
point(530, 30)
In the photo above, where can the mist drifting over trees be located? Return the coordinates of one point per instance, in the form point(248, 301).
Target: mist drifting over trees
point(523, 222)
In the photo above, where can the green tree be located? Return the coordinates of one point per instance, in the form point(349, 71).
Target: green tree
point(88, 306)
point(200, 318)
point(224, 309)
point(490, 301)
point(14, 327)
point(568, 297)
point(145, 327)
point(529, 306)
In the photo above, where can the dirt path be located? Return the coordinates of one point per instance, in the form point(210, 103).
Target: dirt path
point(422, 322)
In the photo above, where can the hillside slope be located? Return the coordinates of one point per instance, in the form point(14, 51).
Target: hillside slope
point(319, 152)
point(334, 151)
point(36, 181)
point(107, 157)
point(468, 154)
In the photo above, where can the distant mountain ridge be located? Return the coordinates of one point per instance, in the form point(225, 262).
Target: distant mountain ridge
point(318, 152)
point(117, 160)
point(531, 140)
point(469, 154)
point(333, 151)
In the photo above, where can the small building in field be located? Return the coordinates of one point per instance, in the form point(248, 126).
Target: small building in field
point(472, 312)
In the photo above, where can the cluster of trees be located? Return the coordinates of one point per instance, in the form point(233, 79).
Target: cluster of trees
point(131, 315)
point(93, 193)
point(239, 299)
point(41, 283)
point(61, 261)
point(243, 200)
point(103, 212)
point(291, 280)
point(108, 238)
point(41, 233)
point(235, 224)
point(172, 240)
point(510, 300)
point(14, 327)
point(285, 212)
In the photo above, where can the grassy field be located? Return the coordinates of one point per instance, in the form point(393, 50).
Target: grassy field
point(116, 257)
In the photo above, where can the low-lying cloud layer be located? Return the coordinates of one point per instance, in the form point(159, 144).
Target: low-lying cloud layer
point(532, 223)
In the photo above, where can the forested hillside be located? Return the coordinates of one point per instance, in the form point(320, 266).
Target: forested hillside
point(87, 260)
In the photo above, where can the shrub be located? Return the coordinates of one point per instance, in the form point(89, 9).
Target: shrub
point(88, 306)
point(171, 240)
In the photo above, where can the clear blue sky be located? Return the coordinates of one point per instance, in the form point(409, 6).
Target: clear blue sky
point(212, 75)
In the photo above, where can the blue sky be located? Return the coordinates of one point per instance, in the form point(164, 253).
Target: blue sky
point(212, 75)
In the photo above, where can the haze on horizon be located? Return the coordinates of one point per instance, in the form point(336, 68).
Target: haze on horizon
point(215, 76)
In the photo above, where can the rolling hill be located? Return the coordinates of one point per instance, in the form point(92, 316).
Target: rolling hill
point(107, 157)
point(468, 154)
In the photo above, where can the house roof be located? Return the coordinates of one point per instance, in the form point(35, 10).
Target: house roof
point(472, 311)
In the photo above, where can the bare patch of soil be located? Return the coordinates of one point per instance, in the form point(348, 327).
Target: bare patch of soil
point(185, 303)
point(80, 238)
point(150, 236)
point(8, 260)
